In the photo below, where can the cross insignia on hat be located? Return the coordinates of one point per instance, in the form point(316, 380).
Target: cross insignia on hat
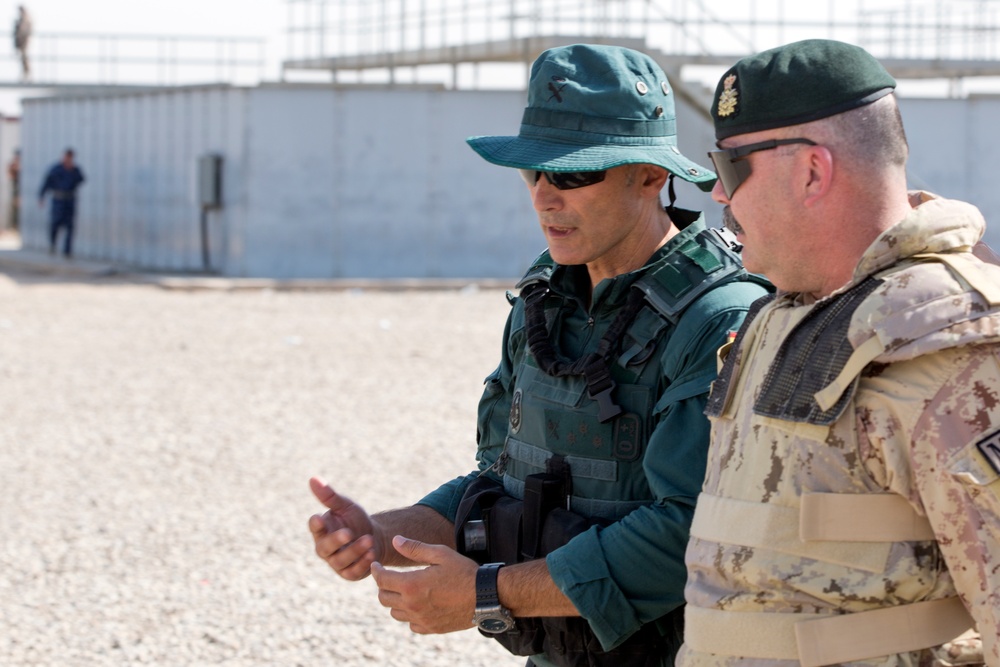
point(556, 90)
point(728, 97)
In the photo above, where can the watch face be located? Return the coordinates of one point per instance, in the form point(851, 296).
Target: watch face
point(494, 625)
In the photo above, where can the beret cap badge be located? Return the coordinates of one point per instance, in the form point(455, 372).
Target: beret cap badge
point(728, 97)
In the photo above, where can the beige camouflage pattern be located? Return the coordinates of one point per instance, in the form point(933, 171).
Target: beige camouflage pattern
point(964, 650)
point(911, 429)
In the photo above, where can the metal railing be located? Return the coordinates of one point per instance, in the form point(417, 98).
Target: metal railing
point(925, 29)
point(120, 59)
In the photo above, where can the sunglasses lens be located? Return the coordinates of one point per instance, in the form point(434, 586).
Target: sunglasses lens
point(574, 179)
point(731, 172)
point(563, 180)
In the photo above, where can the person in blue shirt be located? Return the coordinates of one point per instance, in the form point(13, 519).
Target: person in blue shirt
point(62, 180)
point(591, 433)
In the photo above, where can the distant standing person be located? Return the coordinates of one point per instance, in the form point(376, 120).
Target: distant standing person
point(14, 173)
point(63, 179)
point(22, 33)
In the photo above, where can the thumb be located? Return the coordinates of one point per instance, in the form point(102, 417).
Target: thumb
point(420, 552)
point(326, 495)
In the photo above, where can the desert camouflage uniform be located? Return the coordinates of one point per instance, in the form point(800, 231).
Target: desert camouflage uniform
point(906, 419)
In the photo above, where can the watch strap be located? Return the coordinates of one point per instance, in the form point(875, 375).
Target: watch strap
point(486, 585)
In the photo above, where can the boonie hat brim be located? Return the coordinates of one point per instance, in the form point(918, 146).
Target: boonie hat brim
point(593, 107)
point(540, 155)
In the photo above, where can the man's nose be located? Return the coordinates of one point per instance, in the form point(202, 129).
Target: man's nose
point(719, 193)
point(545, 196)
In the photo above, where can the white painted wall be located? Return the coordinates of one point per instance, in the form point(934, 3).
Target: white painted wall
point(953, 150)
point(138, 154)
point(378, 183)
point(318, 182)
point(363, 182)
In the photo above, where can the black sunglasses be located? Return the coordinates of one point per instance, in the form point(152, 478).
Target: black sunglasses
point(731, 164)
point(564, 180)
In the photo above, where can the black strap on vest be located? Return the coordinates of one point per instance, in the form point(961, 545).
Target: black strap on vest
point(594, 367)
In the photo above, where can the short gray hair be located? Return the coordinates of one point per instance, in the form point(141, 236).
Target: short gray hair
point(871, 135)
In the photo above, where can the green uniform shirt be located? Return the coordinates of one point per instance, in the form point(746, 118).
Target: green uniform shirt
point(631, 572)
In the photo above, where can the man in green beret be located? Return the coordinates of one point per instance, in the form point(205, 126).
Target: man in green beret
point(567, 542)
point(851, 508)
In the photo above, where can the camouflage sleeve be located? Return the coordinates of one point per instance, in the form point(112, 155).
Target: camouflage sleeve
point(939, 438)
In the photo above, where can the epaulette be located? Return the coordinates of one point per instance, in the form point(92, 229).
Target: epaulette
point(707, 259)
point(540, 271)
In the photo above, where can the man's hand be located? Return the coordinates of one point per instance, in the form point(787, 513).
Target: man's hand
point(438, 598)
point(345, 535)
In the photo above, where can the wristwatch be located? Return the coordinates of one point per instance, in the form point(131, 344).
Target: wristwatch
point(490, 616)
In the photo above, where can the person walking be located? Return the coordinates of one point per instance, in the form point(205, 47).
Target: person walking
point(62, 180)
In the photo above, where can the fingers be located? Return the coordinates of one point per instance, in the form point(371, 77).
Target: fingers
point(427, 599)
point(317, 526)
point(389, 584)
point(395, 601)
point(349, 557)
point(390, 592)
point(326, 495)
point(420, 552)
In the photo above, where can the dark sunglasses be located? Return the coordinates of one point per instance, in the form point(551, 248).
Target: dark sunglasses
point(564, 180)
point(732, 166)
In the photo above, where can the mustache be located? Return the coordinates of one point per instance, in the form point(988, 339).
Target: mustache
point(730, 222)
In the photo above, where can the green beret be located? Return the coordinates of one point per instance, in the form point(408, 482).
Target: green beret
point(796, 83)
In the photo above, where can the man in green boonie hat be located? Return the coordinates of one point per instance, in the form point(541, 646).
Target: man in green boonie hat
point(851, 507)
point(591, 437)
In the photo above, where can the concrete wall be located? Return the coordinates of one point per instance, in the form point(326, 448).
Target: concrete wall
point(138, 154)
point(362, 182)
point(318, 182)
point(953, 148)
point(378, 183)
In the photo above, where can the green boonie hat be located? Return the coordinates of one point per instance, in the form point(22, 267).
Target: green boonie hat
point(796, 83)
point(593, 107)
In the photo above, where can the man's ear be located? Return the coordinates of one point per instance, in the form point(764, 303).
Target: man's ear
point(819, 178)
point(651, 177)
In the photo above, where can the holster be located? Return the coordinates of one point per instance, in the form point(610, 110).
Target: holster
point(518, 531)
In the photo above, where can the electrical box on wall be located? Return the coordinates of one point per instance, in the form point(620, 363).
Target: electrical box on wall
point(210, 180)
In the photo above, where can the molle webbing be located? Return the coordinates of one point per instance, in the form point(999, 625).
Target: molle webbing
point(582, 468)
point(825, 639)
point(594, 508)
point(810, 359)
point(776, 528)
point(861, 517)
point(594, 366)
point(854, 530)
point(702, 262)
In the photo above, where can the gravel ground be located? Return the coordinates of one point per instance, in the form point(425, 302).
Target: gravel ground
point(155, 448)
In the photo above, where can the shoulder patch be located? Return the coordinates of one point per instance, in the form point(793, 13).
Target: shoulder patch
point(989, 447)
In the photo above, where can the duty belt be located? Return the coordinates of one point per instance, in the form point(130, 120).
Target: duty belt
point(64, 194)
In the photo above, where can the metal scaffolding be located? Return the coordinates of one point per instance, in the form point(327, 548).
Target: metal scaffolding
point(931, 35)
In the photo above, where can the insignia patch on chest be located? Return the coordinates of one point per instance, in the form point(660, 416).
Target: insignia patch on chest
point(989, 447)
point(515, 411)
